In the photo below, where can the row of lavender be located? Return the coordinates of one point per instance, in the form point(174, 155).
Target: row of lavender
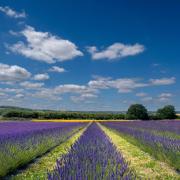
point(159, 145)
point(21, 142)
point(93, 156)
point(171, 126)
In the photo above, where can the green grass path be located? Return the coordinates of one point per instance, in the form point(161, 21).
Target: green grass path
point(38, 170)
point(145, 166)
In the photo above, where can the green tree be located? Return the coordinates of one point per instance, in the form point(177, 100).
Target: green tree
point(167, 112)
point(137, 111)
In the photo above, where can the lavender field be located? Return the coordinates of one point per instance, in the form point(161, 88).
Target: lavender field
point(89, 90)
point(106, 150)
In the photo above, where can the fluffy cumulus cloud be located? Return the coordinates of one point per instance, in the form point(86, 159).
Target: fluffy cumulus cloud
point(41, 77)
point(123, 85)
point(31, 85)
point(115, 51)
point(43, 46)
point(11, 90)
point(163, 97)
point(57, 69)
point(77, 92)
point(163, 81)
point(46, 94)
point(12, 13)
point(83, 97)
point(93, 87)
point(73, 88)
point(13, 73)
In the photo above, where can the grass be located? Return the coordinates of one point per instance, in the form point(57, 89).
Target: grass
point(38, 170)
point(142, 163)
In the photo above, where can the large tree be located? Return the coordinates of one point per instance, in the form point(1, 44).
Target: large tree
point(167, 112)
point(137, 111)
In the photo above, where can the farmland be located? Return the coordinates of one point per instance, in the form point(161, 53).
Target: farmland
point(90, 150)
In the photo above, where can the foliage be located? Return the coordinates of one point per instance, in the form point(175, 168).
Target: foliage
point(137, 111)
point(167, 112)
point(23, 114)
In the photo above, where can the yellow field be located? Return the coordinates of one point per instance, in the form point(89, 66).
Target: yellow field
point(75, 120)
point(83, 120)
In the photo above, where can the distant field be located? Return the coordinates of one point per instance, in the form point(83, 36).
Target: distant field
point(96, 149)
point(75, 120)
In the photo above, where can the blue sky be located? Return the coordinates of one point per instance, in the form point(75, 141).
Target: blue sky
point(89, 55)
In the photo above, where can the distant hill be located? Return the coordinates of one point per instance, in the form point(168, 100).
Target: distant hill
point(28, 109)
point(21, 108)
point(14, 107)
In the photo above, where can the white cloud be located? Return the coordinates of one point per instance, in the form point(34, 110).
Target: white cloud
point(116, 50)
point(163, 81)
point(43, 46)
point(163, 97)
point(99, 83)
point(70, 88)
point(12, 13)
point(41, 77)
point(30, 85)
point(11, 90)
point(82, 92)
point(123, 85)
point(83, 97)
point(85, 92)
point(166, 95)
point(19, 96)
point(13, 73)
point(46, 94)
point(57, 69)
point(126, 85)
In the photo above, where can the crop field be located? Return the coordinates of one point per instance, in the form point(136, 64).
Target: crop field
point(92, 150)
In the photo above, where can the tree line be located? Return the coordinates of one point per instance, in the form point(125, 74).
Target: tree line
point(135, 111)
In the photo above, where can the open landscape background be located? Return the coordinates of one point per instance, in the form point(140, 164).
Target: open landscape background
point(89, 90)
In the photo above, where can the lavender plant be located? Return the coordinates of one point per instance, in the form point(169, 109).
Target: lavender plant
point(162, 147)
point(21, 142)
point(93, 156)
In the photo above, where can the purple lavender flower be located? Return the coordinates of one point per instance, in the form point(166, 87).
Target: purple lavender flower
point(93, 156)
point(21, 142)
